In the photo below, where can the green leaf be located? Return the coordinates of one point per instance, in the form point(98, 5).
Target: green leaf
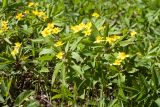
point(130, 89)
point(33, 104)
point(127, 42)
point(133, 70)
point(22, 97)
point(144, 82)
point(155, 77)
point(157, 101)
point(44, 69)
point(75, 43)
point(57, 96)
point(5, 87)
point(82, 96)
point(5, 106)
point(67, 47)
point(65, 92)
point(121, 94)
point(100, 22)
point(1, 99)
point(59, 7)
point(38, 40)
point(56, 70)
point(8, 41)
point(5, 3)
point(142, 95)
point(77, 57)
point(46, 51)
point(152, 50)
point(113, 103)
point(27, 30)
point(45, 57)
point(122, 78)
point(78, 69)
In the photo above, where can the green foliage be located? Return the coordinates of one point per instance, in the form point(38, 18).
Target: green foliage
point(102, 53)
point(21, 98)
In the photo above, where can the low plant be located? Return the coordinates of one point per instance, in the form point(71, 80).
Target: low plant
point(76, 53)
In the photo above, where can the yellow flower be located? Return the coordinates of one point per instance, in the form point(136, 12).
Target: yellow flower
point(35, 12)
point(56, 30)
point(50, 25)
point(81, 25)
point(17, 45)
point(59, 43)
point(45, 18)
point(99, 39)
point(88, 25)
point(4, 25)
point(5, 28)
point(16, 49)
point(122, 55)
point(60, 55)
point(117, 62)
point(78, 28)
point(95, 15)
point(19, 16)
point(40, 14)
point(87, 32)
point(112, 39)
point(14, 52)
point(133, 33)
point(31, 4)
point(46, 32)
point(115, 37)
point(75, 28)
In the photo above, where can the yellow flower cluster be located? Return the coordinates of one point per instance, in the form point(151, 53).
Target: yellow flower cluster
point(117, 62)
point(99, 39)
point(31, 4)
point(4, 25)
point(45, 18)
point(39, 13)
point(95, 15)
point(19, 16)
point(59, 43)
point(60, 55)
point(16, 49)
point(50, 29)
point(78, 28)
point(121, 56)
point(85, 27)
point(56, 30)
point(112, 39)
point(133, 33)
point(88, 29)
